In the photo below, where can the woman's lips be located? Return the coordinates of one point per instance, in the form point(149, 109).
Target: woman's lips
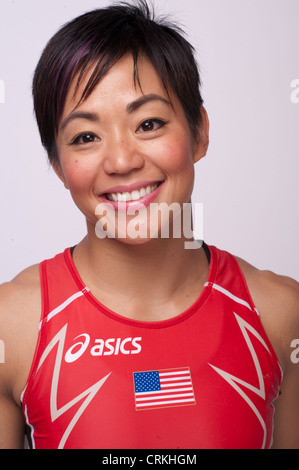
point(134, 196)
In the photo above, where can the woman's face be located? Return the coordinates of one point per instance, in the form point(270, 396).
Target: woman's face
point(127, 146)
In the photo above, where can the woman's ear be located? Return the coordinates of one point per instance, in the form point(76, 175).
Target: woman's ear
point(202, 142)
point(59, 172)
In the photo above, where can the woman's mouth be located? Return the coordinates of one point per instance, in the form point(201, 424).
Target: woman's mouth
point(137, 198)
point(134, 195)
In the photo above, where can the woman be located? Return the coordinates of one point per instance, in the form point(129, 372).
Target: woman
point(139, 342)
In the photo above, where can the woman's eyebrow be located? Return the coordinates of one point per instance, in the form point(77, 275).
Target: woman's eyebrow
point(79, 115)
point(131, 107)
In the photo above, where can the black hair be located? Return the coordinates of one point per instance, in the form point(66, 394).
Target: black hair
point(102, 37)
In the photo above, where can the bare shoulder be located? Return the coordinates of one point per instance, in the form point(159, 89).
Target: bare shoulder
point(28, 276)
point(276, 297)
point(19, 296)
point(268, 283)
point(20, 307)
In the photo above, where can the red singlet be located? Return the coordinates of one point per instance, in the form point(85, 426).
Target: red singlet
point(204, 379)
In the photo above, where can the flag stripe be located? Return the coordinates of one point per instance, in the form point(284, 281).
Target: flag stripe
point(175, 395)
point(183, 389)
point(184, 371)
point(171, 379)
point(165, 403)
point(175, 384)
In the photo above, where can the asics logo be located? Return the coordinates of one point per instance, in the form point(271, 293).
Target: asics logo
point(101, 347)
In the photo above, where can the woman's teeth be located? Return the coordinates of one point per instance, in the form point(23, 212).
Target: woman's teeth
point(133, 195)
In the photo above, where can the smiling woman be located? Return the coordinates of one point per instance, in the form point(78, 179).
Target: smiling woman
point(139, 330)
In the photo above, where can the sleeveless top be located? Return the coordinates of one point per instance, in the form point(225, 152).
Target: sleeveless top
point(206, 378)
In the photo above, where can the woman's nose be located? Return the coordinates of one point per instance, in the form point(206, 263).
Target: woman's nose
point(122, 157)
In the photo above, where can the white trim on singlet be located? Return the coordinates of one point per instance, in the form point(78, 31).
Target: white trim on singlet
point(64, 304)
point(228, 294)
point(32, 443)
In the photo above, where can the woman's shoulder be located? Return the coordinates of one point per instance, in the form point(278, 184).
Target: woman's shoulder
point(20, 300)
point(20, 307)
point(20, 310)
point(267, 285)
point(276, 298)
point(21, 288)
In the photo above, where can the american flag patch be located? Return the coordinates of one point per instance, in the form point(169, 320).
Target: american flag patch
point(163, 388)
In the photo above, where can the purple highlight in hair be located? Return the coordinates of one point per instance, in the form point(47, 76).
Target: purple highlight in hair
point(66, 72)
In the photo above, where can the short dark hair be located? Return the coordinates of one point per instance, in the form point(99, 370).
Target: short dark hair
point(103, 36)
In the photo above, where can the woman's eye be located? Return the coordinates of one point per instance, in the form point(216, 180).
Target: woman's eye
point(151, 125)
point(85, 138)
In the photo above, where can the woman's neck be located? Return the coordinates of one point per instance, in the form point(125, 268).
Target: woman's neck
point(150, 275)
